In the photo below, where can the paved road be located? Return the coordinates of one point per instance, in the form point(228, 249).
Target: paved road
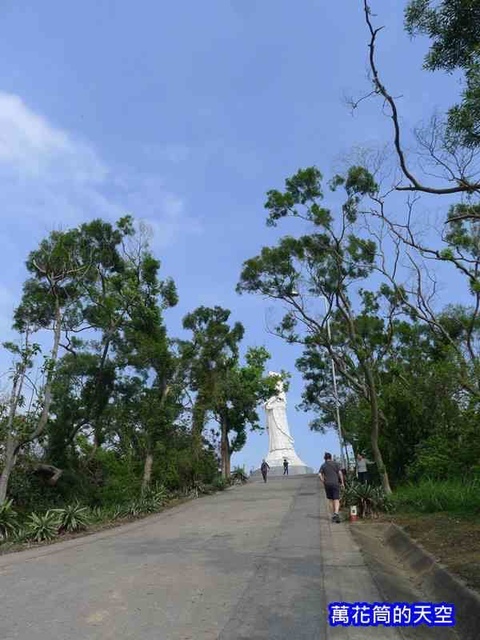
point(255, 562)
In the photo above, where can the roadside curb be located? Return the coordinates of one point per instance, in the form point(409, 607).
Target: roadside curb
point(436, 581)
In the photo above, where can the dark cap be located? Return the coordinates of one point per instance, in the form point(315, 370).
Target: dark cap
point(327, 456)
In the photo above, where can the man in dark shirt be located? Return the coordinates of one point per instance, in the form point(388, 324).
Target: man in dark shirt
point(285, 467)
point(332, 478)
point(264, 469)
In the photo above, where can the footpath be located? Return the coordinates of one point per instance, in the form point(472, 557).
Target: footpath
point(255, 562)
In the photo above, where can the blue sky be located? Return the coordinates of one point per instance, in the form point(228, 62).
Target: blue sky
point(184, 114)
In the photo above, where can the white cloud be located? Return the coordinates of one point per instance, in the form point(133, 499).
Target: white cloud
point(34, 148)
point(49, 178)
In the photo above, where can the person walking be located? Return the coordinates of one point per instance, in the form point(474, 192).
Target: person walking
point(331, 476)
point(362, 471)
point(264, 469)
point(285, 467)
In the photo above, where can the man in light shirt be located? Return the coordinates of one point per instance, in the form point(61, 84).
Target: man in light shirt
point(362, 471)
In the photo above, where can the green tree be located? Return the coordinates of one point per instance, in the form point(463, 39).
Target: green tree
point(15, 430)
point(422, 399)
point(50, 302)
point(453, 27)
point(333, 263)
point(236, 398)
point(212, 351)
point(143, 345)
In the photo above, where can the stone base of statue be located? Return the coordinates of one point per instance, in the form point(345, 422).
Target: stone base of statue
point(293, 470)
point(276, 458)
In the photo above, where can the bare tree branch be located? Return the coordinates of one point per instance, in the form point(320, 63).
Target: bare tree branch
point(463, 185)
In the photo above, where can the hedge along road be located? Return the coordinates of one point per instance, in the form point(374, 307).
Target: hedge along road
point(258, 561)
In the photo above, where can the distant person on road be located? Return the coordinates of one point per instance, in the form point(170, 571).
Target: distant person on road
point(332, 478)
point(285, 467)
point(264, 469)
point(362, 471)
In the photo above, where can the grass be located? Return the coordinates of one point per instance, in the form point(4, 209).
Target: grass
point(432, 496)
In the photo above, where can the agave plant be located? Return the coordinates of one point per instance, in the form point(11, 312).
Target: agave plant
point(135, 509)
point(147, 505)
point(349, 496)
point(97, 514)
point(154, 498)
point(8, 520)
point(20, 535)
point(72, 518)
point(119, 511)
point(207, 489)
point(43, 527)
point(368, 498)
point(239, 476)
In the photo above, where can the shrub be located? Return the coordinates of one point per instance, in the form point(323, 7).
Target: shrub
point(72, 518)
point(29, 492)
point(433, 459)
point(219, 483)
point(43, 527)
point(8, 520)
point(120, 479)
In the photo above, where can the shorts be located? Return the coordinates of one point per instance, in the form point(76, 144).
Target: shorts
point(332, 491)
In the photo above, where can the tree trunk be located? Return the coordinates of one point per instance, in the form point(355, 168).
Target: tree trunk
point(8, 466)
point(375, 429)
point(198, 423)
point(227, 465)
point(47, 401)
point(53, 473)
point(12, 445)
point(147, 471)
point(224, 449)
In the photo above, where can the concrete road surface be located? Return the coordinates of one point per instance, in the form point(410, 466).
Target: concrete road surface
point(259, 561)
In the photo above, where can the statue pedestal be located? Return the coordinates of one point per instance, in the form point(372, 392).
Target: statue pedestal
point(275, 458)
point(293, 470)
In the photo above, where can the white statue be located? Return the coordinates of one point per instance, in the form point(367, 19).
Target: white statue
point(280, 440)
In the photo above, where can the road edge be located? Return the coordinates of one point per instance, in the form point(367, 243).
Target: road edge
point(436, 581)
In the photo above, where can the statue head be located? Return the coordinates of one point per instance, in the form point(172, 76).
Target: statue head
point(280, 387)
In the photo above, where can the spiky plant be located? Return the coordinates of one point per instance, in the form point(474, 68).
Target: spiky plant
point(119, 511)
point(43, 526)
point(239, 476)
point(154, 498)
point(8, 520)
point(72, 518)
